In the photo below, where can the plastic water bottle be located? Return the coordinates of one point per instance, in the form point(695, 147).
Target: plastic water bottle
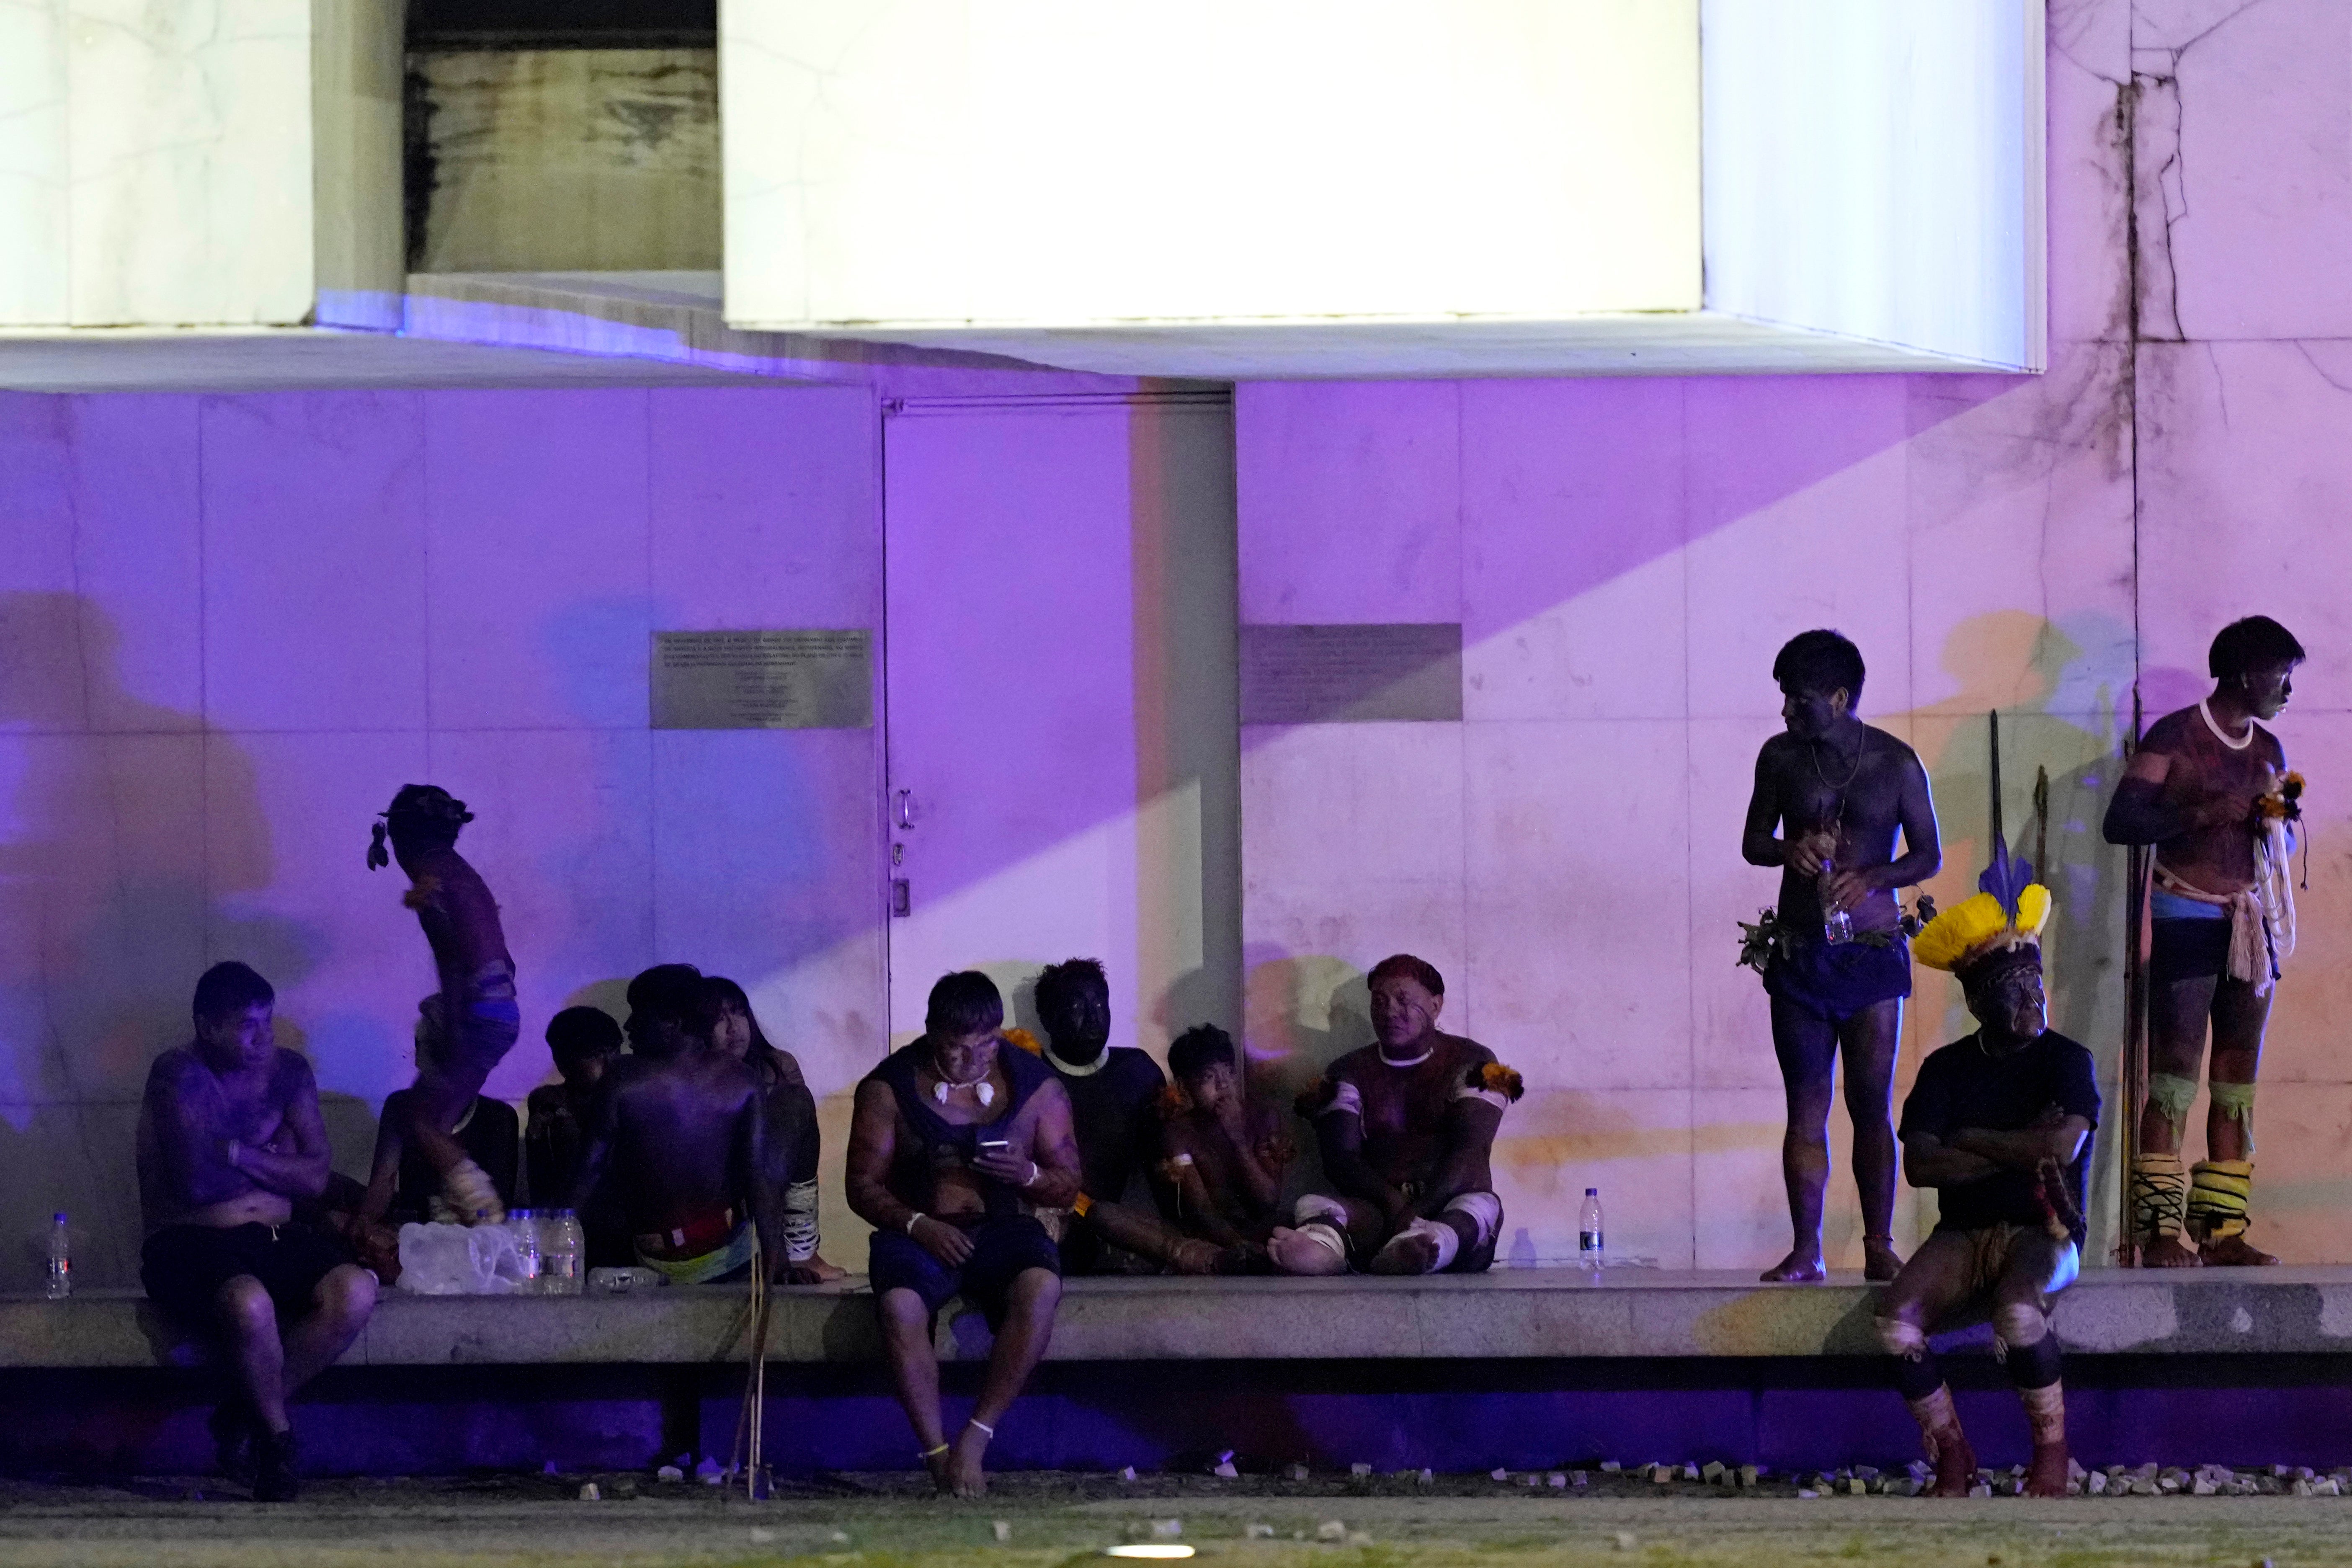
point(60, 1283)
point(561, 1250)
point(1588, 1228)
point(524, 1224)
point(1837, 925)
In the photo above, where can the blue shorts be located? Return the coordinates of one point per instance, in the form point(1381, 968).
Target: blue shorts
point(1834, 981)
point(1001, 1250)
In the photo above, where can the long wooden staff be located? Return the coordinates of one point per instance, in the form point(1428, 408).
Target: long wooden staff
point(2137, 861)
point(750, 1421)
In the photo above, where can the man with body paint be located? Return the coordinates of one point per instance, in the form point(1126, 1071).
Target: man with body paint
point(954, 1145)
point(1406, 1126)
point(1831, 794)
point(474, 1015)
point(2208, 788)
point(2000, 1123)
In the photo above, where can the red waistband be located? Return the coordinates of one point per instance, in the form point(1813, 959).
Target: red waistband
point(695, 1238)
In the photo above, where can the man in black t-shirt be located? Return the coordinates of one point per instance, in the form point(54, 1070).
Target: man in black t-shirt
point(2000, 1123)
point(1114, 1093)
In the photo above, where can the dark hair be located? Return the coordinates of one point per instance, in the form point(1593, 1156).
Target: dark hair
point(1060, 981)
point(720, 994)
point(426, 814)
point(963, 1002)
point(1411, 968)
point(230, 987)
point(1198, 1049)
point(2255, 643)
point(577, 1034)
point(671, 991)
point(1820, 661)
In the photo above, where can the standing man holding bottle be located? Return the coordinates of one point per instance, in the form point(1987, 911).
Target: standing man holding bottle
point(1831, 794)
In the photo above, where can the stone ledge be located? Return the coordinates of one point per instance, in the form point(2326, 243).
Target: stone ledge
point(1506, 1314)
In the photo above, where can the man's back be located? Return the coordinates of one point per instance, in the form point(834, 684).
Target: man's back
point(681, 1132)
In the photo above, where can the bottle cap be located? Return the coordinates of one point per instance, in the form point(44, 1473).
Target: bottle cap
point(57, 1219)
point(1593, 1192)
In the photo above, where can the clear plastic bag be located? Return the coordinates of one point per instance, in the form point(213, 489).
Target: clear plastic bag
point(460, 1260)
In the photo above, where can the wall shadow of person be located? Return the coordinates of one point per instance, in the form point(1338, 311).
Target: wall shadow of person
point(128, 825)
point(1300, 1014)
point(2060, 710)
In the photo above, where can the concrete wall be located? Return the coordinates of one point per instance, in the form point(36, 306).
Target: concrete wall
point(231, 627)
point(1626, 556)
point(570, 161)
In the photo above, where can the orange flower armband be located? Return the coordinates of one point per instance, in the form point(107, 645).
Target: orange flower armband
point(1492, 1082)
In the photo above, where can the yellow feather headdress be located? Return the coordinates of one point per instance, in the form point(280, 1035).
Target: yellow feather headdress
point(1978, 927)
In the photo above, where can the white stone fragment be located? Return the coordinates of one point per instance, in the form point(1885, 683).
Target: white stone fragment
point(1360, 1470)
point(1625, 1540)
point(1498, 1474)
point(1260, 1532)
point(761, 1537)
point(1126, 1473)
point(1003, 1529)
point(1330, 1530)
point(589, 1493)
point(670, 1473)
point(1558, 1480)
point(1167, 1529)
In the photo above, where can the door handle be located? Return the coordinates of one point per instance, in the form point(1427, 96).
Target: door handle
point(905, 810)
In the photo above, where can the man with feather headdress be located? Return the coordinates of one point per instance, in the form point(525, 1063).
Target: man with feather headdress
point(2000, 1124)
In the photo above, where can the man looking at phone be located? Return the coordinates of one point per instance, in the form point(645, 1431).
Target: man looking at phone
point(954, 1143)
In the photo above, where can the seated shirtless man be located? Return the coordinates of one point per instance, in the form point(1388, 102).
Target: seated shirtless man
point(2000, 1124)
point(229, 1139)
point(1223, 1166)
point(682, 1127)
point(1406, 1126)
point(954, 1143)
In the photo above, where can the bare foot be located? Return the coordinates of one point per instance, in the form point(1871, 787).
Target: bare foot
point(2046, 1476)
point(2168, 1252)
point(1799, 1268)
point(1956, 1465)
point(1194, 1256)
point(964, 1477)
point(1296, 1252)
point(1409, 1252)
point(1879, 1262)
point(817, 1271)
point(937, 1463)
point(2233, 1252)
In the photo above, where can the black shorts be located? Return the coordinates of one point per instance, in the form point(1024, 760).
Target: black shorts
point(184, 1266)
point(1001, 1250)
point(1835, 981)
point(2188, 950)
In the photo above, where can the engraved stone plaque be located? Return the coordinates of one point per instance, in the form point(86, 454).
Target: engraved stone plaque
point(764, 680)
point(1351, 674)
